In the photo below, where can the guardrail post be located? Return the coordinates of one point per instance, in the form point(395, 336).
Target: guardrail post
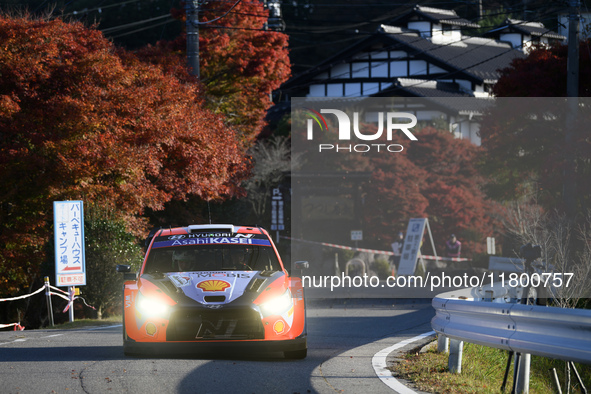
point(48, 297)
point(583, 388)
point(556, 381)
point(523, 379)
point(454, 363)
point(442, 343)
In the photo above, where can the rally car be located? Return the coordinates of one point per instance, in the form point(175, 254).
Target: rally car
point(213, 287)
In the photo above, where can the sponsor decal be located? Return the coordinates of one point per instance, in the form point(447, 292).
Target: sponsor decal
point(151, 329)
point(279, 327)
point(209, 274)
point(210, 241)
point(217, 240)
point(213, 285)
point(300, 294)
point(180, 280)
point(210, 235)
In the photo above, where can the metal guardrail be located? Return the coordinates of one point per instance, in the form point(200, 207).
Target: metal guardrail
point(538, 330)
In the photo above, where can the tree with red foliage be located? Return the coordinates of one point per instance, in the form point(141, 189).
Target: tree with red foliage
point(80, 121)
point(525, 139)
point(241, 64)
point(435, 177)
point(543, 73)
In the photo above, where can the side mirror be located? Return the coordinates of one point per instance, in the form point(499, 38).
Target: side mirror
point(126, 271)
point(123, 268)
point(301, 265)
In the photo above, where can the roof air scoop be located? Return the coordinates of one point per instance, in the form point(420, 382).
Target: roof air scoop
point(211, 227)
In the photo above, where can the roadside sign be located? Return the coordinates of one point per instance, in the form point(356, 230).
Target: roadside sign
point(490, 245)
point(356, 235)
point(68, 224)
point(412, 246)
point(277, 218)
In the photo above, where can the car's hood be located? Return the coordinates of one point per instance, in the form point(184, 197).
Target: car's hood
point(216, 287)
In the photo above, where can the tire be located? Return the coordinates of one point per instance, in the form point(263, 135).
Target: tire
point(296, 354)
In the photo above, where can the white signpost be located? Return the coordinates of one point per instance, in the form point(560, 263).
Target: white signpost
point(490, 245)
point(356, 235)
point(411, 248)
point(70, 265)
point(277, 219)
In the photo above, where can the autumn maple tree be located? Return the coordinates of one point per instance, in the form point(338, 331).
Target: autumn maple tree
point(543, 73)
point(525, 134)
point(80, 119)
point(241, 63)
point(435, 177)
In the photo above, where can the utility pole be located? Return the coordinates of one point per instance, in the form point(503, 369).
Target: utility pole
point(192, 12)
point(572, 92)
point(572, 80)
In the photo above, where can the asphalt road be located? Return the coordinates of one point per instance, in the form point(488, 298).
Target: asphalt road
point(343, 336)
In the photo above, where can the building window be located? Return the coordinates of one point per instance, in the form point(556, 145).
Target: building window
point(446, 29)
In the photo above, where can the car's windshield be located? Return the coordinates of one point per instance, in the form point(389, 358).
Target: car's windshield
point(212, 258)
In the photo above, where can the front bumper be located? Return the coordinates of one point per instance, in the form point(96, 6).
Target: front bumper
point(214, 347)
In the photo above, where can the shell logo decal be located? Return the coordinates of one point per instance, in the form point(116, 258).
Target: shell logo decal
point(213, 285)
point(279, 327)
point(151, 329)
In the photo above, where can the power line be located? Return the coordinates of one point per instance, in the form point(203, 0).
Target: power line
point(145, 28)
point(132, 24)
point(100, 9)
point(220, 17)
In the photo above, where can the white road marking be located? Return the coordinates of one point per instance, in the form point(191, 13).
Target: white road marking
point(16, 340)
point(57, 335)
point(103, 327)
point(380, 367)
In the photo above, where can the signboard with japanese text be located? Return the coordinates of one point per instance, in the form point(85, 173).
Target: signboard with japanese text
point(68, 224)
point(277, 218)
point(412, 246)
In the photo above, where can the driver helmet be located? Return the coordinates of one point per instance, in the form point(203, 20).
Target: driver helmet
point(240, 256)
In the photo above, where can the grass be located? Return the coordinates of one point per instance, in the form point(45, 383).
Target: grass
point(483, 370)
point(83, 323)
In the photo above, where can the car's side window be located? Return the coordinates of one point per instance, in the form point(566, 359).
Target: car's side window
point(159, 261)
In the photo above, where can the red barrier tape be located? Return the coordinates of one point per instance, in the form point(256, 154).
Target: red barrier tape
point(437, 258)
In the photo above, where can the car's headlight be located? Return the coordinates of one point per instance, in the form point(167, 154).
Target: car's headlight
point(277, 305)
point(151, 307)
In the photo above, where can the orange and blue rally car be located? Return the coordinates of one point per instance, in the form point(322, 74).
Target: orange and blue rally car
point(211, 288)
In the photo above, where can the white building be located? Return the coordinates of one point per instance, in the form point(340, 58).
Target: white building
point(424, 54)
